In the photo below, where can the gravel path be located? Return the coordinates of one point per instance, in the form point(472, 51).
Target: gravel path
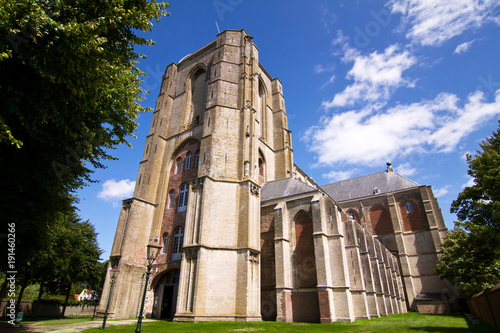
point(34, 327)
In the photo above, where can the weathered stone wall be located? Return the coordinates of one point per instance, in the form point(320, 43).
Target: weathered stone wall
point(415, 236)
point(355, 276)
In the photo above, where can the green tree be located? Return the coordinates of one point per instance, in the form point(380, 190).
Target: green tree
point(471, 252)
point(69, 92)
point(71, 257)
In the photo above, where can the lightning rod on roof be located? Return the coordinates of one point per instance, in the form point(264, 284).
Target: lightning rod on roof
point(218, 31)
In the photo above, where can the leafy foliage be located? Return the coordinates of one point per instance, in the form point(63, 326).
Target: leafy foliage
point(69, 92)
point(72, 256)
point(471, 252)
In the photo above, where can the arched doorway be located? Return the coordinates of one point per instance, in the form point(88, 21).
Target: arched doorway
point(167, 290)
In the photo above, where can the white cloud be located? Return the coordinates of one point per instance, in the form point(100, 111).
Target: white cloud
point(328, 19)
point(319, 68)
point(335, 176)
point(463, 47)
point(470, 183)
point(406, 170)
point(432, 23)
point(375, 76)
point(366, 136)
point(113, 190)
point(464, 121)
point(439, 192)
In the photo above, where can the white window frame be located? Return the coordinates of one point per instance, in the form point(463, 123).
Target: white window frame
point(165, 243)
point(178, 167)
point(197, 159)
point(171, 199)
point(183, 197)
point(177, 245)
point(188, 161)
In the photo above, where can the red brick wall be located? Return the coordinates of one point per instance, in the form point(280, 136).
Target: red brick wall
point(267, 256)
point(411, 221)
point(268, 264)
point(305, 306)
point(381, 220)
point(304, 252)
point(172, 219)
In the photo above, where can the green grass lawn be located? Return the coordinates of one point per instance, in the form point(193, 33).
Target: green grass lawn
point(409, 322)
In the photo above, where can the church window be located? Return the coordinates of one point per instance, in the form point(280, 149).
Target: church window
point(188, 161)
point(261, 109)
point(197, 159)
point(262, 168)
point(165, 243)
point(179, 165)
point(171, 198)
point(177, 246)
point(409, 207)
point(183, 198)
point(353, 215)
point(198, 92)
point(410, 215)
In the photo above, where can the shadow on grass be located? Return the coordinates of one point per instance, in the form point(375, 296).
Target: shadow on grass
point(442, 329)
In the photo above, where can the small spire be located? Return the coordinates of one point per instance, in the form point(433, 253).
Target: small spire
point(389, 167)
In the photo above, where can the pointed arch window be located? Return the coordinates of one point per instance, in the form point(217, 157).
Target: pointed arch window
point(171, 198)
point(165, 243)
point(183, 198)
point(197, 159)
point(188, 161)
point(178, 167)
point(177, 245)
point(198, 92)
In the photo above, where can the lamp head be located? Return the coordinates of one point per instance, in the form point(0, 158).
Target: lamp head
point(153, 250)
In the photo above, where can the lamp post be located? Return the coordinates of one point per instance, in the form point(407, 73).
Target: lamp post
point(152, 253)
point(112, 280)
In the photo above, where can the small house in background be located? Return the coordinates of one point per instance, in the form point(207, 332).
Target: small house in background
point(84, 295)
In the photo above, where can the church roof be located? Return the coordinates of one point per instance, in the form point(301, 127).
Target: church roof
point(364, 186)
point(284, 188)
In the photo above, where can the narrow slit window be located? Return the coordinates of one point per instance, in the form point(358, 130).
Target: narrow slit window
point(171, 198)
point(188, 161)
point(179, 165)
point(197, 159)
point(165, 243)
point(183, 198)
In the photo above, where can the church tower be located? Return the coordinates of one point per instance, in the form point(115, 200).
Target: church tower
point(219, 131)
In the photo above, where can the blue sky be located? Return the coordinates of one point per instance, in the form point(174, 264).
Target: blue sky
point(413, 82)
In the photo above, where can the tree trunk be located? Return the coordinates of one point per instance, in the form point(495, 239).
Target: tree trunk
point(24, 284)
point(3, 289)
point(66, 301)
point(40, 292)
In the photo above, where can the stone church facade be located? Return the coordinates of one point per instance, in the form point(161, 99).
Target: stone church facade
point(245, 234)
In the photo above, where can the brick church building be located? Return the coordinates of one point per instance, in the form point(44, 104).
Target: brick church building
point(246, 235)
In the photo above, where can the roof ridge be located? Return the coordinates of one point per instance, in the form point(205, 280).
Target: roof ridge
point(362, 176)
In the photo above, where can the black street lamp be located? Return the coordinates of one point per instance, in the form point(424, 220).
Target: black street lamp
point(112, 280)
point(153, 250)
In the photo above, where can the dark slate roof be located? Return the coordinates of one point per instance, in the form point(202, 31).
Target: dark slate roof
point(364, 186)
point(284, 188)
